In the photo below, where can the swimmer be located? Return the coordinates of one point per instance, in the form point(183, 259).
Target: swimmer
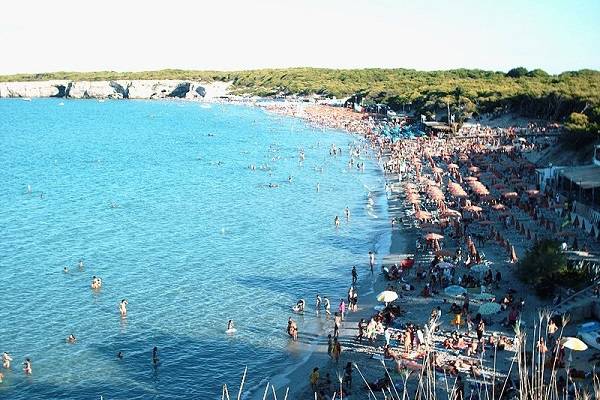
point(66, 270)
point(155, 355)
point(318, 187)
point(80, 265)
point(96, 282)
point(230, 325)
point(123, 307)
point(28, 188)
point(337, 221)
point(300, 305)
point(1, 377)
point(6, 359)
point(27, 367)
point(290, 179)
point(347, 212)
point(273, 185)
point(71, 339)
point(120, 355)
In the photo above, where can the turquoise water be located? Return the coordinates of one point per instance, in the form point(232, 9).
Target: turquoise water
point(158, 200)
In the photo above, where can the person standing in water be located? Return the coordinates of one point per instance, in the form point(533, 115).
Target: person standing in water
point(327, 306)
point(27, 367)
point(318, 305)
point(80, 265)
point(318, 187)
point(123, 308)
point(371, 260)
point(230, 325)
point(342, 308)
point(337, 221)
point(354, 275)
point(347, 212)
point(6, 359)
point(155, 355)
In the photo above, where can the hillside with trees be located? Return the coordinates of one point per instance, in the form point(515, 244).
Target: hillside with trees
point(532, 93)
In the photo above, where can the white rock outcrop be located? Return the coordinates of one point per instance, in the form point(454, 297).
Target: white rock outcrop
point(33, 89)
point(134, 89)
point(92, 90)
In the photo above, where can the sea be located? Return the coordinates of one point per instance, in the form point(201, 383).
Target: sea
point(160, 200)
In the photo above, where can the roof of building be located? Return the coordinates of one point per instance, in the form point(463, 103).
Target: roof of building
point(587, 177)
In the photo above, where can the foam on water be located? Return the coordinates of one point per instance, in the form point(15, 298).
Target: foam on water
point(158, 200)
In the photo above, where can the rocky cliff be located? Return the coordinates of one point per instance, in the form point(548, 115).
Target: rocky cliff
point(150, 89)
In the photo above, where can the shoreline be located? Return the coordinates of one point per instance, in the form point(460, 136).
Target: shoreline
point(396, 247)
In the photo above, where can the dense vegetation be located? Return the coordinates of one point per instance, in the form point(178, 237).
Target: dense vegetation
point(531, 93)
point(545, 267)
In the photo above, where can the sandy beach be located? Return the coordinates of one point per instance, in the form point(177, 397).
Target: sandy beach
point(368, 357)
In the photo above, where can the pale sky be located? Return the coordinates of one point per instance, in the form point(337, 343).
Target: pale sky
point(127, 35)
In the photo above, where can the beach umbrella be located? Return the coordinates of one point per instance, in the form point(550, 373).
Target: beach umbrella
point(510, 195)
point(574, 343)
point(472, 208)
point(455, 290)
point(533, 192)
point(479, 268)
point(387, 296)
point(489, 308)
point(449, 213)
point(498, 207)
point(484, 296)
point(433, 236)
point(422, 215)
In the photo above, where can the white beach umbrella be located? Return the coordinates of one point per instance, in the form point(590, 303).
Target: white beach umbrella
point(574, 343)
point(489, 308)
point(387, 296)
point(455, 290)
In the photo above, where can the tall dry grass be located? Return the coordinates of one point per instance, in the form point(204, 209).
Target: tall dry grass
point(531, 375)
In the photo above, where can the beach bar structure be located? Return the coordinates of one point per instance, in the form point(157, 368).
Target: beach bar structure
point(582, 183)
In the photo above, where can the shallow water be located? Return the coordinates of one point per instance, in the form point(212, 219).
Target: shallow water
point(158, 200)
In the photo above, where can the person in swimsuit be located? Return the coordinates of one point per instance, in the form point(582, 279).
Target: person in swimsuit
point(230, 325)
point(337, 221)
point(6, 359)
point(300, 305)
point(27, 367)
point(71, 339)
point(327, 305)
point(123, 307)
